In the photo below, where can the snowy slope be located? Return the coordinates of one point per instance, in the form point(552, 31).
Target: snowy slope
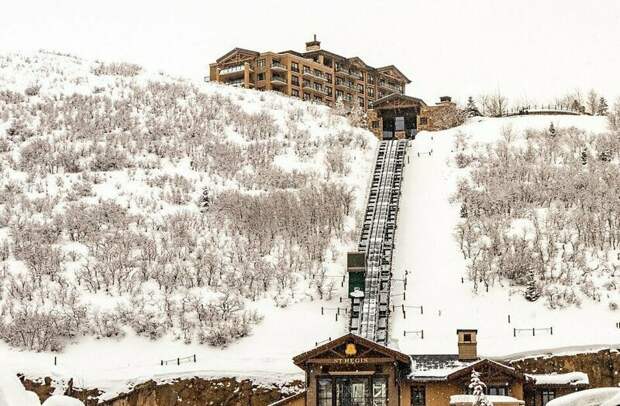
point(315, 149)
point(427, 249)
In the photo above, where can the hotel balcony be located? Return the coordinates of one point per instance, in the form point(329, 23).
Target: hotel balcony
point(346, 86)
point(278, 81)
point(231, 71)
point(237, 83)
point(393, 88)
point(278, 67)
point(314, 75)
point(349, 73)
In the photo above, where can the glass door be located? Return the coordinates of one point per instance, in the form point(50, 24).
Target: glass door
point(352, 391)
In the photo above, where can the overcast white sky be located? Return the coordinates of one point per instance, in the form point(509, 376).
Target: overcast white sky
point(533, 49)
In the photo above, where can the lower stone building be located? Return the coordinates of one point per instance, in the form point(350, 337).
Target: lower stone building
point(398, 116)
point(354, 371)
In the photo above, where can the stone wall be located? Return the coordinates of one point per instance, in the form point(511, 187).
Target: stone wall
point(179, 392)
point(603, 367)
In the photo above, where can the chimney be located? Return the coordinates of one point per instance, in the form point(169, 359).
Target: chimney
point(445, 99)
point(468, 344)
point(313, 45)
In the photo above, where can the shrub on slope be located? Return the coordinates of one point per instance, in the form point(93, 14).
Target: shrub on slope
point(543, 213)
point(130, 200)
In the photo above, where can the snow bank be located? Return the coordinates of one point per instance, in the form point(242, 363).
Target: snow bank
point(13, 393)
point(62, 401)
point(590, 397)
point(572, 378)
point(494, 399)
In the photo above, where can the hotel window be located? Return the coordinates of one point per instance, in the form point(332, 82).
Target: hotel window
point(325, 392)
point(260, 76)
point(318, 87)
point(423, 120)
point(418, 396)
point(379, 391)
point(295, 92)
point(294, 80)
point(360, 88)
point(339, 94)
point(360, 101)
point(371, 91)
point(328, 90)
point(261, 63)
point(371, 79)
point(328, 77)
point(294, 67)
point(318, 98)
point(306, 83)
point(547, 396)
point(497, 391)
point(306, 96)
point(348, 97)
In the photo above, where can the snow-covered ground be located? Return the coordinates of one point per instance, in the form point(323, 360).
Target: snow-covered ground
point(13, 393)
point(590, 397)
point(427, 249)
point(291, 320)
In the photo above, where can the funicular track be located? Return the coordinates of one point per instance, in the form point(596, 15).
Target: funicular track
point(370, 314)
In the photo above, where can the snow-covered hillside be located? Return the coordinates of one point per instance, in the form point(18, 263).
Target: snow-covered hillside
point(145, 218)
point(427, 247)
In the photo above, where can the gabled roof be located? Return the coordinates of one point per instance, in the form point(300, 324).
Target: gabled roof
point(235, 50)
point(394, 68)
point(393, 96)
point(345, 339)
point(486, 362)
point(443, 367)
point(357, 59)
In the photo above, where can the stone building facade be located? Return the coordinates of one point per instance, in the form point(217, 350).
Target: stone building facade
point(315, 75)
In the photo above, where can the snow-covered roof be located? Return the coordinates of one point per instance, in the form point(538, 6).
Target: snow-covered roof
point(429, 366)
point(590, 397)
point(570, 378)
point(495, 399)
point(442, 366)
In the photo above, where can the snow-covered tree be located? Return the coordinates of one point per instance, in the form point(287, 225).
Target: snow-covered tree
point(478, 389)
point(532, 292)
point(603, 107)
point(471, 109)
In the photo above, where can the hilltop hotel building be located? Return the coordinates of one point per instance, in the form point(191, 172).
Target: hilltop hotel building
point(325, 77)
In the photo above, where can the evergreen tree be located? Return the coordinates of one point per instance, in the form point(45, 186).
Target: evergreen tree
point(205, 199)
point(605, 156)
point(463, 211)
point(472, 110)
point(532, 293)
point(602, 107)
point(478, 388)
point(576, 106)
point(584, 157)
